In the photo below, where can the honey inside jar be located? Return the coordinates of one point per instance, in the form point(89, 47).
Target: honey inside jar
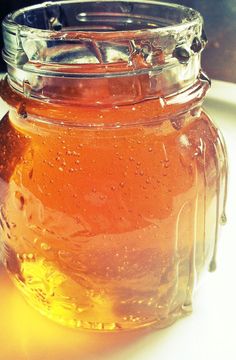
point(112, 191)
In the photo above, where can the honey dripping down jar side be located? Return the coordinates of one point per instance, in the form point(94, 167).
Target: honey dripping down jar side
point(113, 178)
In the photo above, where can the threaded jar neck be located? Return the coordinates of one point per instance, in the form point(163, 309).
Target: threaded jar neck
point(75, 41)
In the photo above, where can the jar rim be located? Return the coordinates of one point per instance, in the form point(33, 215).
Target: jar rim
point(189, 17)
point(57, 44)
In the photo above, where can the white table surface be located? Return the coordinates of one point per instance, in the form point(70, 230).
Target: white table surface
point(209, 333)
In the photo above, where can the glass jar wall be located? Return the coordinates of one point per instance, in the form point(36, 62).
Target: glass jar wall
point(113, 178)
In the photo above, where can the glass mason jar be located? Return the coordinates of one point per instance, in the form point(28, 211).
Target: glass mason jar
point(113, 178)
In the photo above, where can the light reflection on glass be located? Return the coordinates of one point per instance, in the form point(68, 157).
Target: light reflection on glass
point(25, 334)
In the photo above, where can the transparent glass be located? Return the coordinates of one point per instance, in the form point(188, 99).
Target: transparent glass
point(113, 178)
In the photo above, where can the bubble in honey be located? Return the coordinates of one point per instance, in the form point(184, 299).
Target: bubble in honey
point(45, 246)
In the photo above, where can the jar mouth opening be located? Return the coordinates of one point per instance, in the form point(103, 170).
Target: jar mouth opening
point(102, 18)
point(74, 39)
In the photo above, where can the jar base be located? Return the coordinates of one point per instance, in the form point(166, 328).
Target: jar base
point(104, 327)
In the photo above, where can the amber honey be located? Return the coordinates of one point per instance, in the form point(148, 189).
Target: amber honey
point(109, 229)
point(110, 210)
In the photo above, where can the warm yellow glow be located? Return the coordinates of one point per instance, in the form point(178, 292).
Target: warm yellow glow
point(25, 334)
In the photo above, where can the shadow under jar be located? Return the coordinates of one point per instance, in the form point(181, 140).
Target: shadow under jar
point(113, 178)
